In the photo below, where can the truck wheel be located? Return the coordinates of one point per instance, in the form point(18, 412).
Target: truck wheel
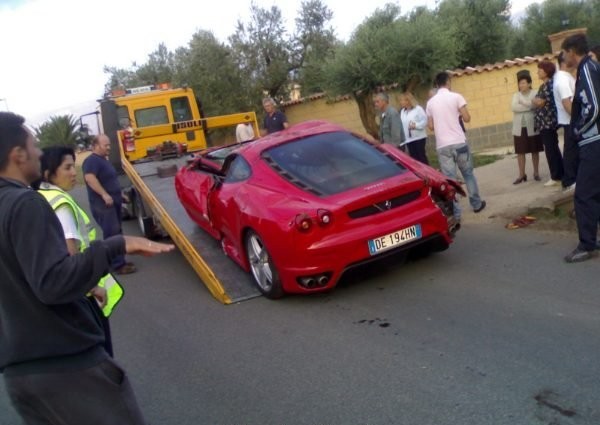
point(263, 270)
point(145, 222)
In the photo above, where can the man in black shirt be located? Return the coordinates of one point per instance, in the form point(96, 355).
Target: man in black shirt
point(275, 120)
point(104, 195)
point(51, 341)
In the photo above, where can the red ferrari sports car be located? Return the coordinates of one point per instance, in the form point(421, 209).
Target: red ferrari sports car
point(300, 207)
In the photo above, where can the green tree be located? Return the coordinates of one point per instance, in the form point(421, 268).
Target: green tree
point(121, 78)
point(387, 49)
point(58, 130)
point(159, 68)
point(314, 43)
point(262, 57)
point(262, 48)
point(552, 16)
point(271, 58)
point(479, 29)
point(207, 66)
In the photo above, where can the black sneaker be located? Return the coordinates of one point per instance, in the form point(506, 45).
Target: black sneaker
point(481, 207)
point(579, 255)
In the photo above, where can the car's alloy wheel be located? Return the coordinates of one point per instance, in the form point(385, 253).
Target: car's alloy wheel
point(264, 272)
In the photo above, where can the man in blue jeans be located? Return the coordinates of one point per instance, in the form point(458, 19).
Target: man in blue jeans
point(444, 111)
point(105, 197)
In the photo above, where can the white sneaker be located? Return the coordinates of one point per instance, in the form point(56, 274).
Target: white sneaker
point(569, 188)
point(551, 183)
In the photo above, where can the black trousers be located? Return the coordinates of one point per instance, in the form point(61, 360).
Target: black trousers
point(553, 155)
point(108, 346)
point(587, 195)
point(570, 157)
point(109, 219)
point(416, 149)
point(100, 395)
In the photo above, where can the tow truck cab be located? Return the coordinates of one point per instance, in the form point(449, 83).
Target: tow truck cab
point(143, 118)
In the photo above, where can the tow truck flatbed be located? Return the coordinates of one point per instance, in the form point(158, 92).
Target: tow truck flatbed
point(224, 278)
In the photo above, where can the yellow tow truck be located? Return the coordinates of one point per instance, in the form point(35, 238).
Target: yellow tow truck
point(153, 130)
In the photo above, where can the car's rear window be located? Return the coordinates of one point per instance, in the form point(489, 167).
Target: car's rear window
point(332, 163)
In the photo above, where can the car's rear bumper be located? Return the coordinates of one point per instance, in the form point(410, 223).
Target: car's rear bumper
point(332, 256)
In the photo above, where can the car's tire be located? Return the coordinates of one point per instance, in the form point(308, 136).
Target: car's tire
point(261, 266)
point(145, 222)
point(127, 208)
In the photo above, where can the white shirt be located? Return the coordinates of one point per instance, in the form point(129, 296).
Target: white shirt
point(244, 132)
point(418, 116)
point(444, 109)
point(564, 87)
point(65, 216)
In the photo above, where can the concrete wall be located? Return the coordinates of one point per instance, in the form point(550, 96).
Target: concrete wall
point(488, 90)
point(343, 112)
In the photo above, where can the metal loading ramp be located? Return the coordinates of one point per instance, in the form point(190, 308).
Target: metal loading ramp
point(225, 279)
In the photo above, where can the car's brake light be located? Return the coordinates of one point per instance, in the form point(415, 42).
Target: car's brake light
point(303, 222)
point(445, 190)
point(325, 217)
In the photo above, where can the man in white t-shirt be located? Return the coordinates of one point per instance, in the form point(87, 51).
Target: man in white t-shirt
point(564, 87)
point(244, 132)
point(444, 111)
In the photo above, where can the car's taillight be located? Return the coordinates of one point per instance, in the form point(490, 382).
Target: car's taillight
point(303, 222)
point(325, 217)
point(445, 190)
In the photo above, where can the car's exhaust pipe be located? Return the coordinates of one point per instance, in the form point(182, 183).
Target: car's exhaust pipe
point(322, 280)
point(315, 281)
point(453, 226)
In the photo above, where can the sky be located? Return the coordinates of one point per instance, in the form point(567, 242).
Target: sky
point(53, 51)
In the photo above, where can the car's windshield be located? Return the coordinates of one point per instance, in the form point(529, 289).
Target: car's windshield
point(332, 163)
point(219, 155)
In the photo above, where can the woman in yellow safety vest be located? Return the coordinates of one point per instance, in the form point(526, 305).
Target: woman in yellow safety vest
point(59, 177)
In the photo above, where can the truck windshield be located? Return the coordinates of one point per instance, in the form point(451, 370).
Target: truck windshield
point(147, 117)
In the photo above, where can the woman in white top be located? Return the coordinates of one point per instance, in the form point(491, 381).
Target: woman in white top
point(414, 124)
point(58, 173)
point(526, 139)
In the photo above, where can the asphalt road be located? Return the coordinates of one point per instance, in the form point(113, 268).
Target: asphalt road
point(496, 330)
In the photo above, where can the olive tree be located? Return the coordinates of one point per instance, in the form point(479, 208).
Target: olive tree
point(389, 49)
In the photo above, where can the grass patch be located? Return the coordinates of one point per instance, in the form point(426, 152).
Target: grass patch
point(557, 219)
point(478, 160)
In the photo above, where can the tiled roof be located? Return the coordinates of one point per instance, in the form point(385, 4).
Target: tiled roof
point(315, 96)
point(500, 65)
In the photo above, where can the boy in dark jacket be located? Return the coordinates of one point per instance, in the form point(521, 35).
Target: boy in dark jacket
point(585, 125)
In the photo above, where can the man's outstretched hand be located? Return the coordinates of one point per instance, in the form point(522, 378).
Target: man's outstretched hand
point(141, 246)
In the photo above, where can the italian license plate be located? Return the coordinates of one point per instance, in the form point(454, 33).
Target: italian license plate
point(394, 239)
